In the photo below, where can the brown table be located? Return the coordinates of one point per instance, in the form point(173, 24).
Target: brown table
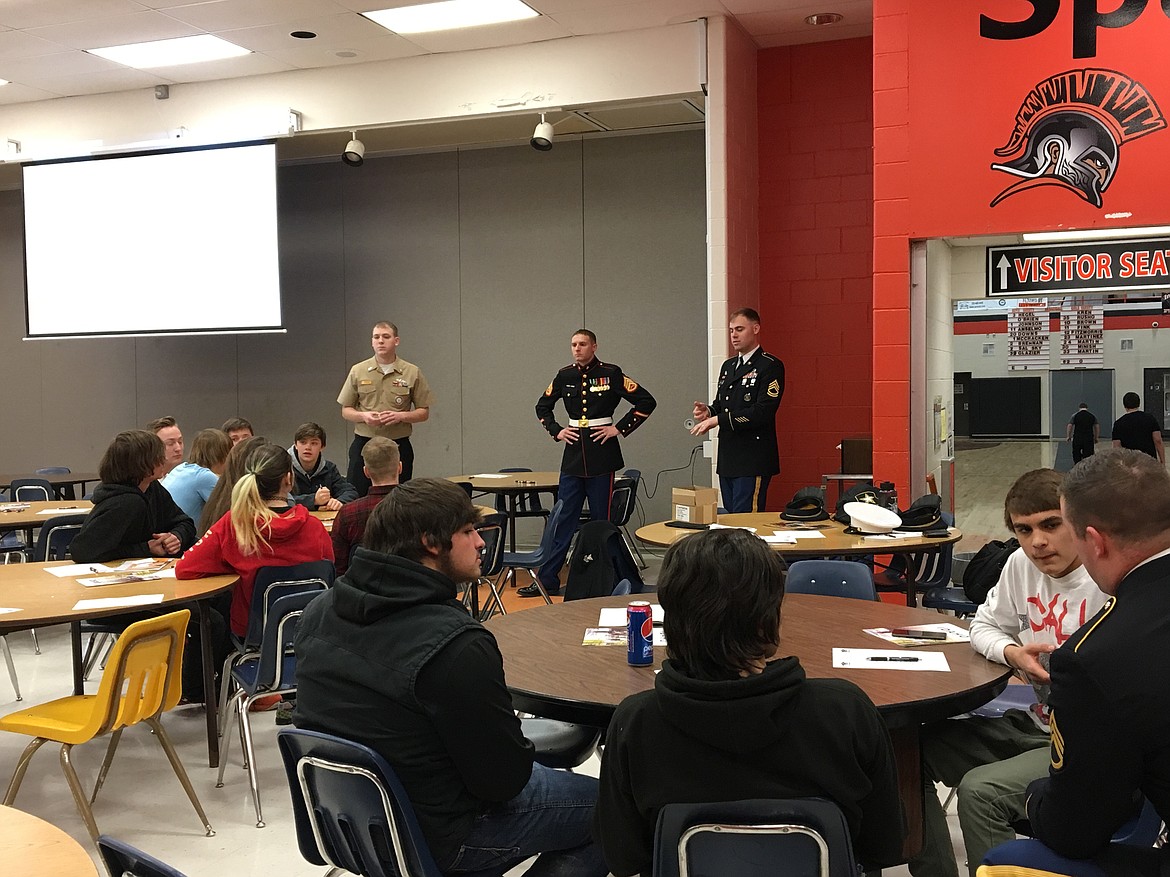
point(550, 673)
point(32, 517)
point(29, 845)
point(511, 486)
point(43, 599)
point(63, 483)
point(836, 542)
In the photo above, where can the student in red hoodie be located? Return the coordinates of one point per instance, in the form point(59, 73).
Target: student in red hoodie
point(260, 529)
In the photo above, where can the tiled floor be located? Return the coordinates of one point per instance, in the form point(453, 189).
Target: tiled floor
point(143, 803)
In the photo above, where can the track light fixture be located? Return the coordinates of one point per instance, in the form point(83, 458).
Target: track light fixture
point(355, 152)
point(542, 137)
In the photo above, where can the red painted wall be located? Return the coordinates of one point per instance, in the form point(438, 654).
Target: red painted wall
point(816, 248)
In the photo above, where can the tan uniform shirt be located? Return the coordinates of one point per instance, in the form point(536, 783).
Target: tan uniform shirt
point(400, 389)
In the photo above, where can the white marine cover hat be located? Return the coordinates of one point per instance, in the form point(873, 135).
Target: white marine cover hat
point(870, 518)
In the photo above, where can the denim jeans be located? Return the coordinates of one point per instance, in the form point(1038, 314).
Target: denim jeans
point(551, 817)
point(572, 492)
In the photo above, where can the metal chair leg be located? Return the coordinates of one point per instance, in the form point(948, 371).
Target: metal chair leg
point(78, 793)
point(233, 703)
point(92, 651)
point(632, 545)
point(36, 642)
point(250, 754)
point(11, 666)
point(21, 768)
point(106, 762)
point(164, 740)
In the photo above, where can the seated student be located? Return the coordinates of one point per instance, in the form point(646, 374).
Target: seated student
point(388, 657)
point(190, 484)
point(237, 429)
point(133, 515)
point(318, 482)
point(1043, 596)
point(221, 497)
point(260, 529)
point(382, 465)
point(729, 718)
point(167, 429)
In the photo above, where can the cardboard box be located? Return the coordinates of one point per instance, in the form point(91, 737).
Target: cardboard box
point(696, 505)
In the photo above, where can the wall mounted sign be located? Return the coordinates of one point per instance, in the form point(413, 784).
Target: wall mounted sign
point(1084, 266)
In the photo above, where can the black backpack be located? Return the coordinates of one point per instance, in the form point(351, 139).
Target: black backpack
point(600, 560)
point(983, 570)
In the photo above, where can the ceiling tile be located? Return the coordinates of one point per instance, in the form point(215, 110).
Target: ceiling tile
point(333, 31)
point(530, 30)
point(228, 68)
point(18, 44)
point(629, 16)
point(15, 93)
point(231, 14)
point(117, 30)
point(22, 14)
point(307, 56)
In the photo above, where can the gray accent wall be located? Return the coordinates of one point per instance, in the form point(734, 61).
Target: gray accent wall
point(487, 260)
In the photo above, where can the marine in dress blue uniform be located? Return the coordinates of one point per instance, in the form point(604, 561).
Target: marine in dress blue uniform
point(751, 385)
point(591, 391)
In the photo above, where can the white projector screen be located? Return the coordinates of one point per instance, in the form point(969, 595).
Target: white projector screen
point(178, 241)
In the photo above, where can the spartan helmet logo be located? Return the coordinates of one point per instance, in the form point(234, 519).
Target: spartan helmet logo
point(1069, 131)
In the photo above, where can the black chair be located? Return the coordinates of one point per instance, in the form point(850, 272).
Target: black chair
point(533, 560)
point(271, 583)
point(492, 530)
point(919, 571)
point(53, 544)
point(63, 491)
point(122, 859)
point(796, 837)
point(271, 669)
point(351, 811)
point(831, 578)
point(949, 599)
point(562, 745)
point(30, 490)
point(528, 504)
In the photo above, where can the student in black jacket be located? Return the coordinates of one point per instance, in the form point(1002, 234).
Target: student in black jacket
point(730, 719)
point(133, 515)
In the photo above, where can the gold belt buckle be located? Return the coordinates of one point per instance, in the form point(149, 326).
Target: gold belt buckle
point(583, 422)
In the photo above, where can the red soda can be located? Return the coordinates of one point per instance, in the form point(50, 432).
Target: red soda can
point(639, 634)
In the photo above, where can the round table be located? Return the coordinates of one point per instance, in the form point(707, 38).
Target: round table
point(41, 598)
point(29, 845)
point(511, 486)
point(550, 673)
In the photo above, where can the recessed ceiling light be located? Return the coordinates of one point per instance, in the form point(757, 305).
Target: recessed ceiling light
point(303, 35)
point(824, 18)
point(171, 53)
point(449, 15)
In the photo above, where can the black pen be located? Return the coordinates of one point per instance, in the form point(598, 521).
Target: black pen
point(884, 658)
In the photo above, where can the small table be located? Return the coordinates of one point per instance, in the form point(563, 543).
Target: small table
point(836, 541)
point(511, 486)
point(29, 845)
point(841, 480)
point(38, 512)
point(42, 599)
point(62, 482)
point(551, 674)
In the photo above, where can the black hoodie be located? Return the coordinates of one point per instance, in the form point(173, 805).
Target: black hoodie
point(390, 658)
point(124, 519)
point(771, 735)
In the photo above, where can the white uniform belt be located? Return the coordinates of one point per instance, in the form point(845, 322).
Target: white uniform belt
point(596, 421)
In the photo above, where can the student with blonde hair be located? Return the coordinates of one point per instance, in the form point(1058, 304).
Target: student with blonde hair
point(260, 529)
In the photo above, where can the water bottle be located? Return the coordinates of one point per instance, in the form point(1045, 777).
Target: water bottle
point(888, 495)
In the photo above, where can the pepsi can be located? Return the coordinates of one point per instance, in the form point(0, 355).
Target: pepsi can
point(639, 634)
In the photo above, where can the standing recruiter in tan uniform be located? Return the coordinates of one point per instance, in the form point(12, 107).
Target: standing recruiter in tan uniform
point(384, 395)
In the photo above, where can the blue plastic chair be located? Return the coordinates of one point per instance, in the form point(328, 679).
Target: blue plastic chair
point(919, 571)
point(831, 578)
point(122, 859)
point(534, 560)
point(750, 838)
point(350, 810)
point(946, 598)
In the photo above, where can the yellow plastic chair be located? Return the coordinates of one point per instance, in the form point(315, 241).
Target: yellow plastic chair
point(142, 680)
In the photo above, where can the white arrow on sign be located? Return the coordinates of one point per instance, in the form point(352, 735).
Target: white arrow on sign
point(1003, 265)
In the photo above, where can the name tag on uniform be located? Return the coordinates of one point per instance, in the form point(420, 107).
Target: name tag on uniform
point(364, 382)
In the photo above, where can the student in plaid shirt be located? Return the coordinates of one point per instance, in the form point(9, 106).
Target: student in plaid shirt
point(382, 465)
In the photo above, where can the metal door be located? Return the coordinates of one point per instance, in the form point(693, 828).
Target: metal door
point(1071, 387)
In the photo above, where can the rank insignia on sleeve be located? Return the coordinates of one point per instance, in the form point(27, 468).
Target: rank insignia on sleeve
point(548, 392)
point(629, 384)
point(1057, 750)
point(774, 389)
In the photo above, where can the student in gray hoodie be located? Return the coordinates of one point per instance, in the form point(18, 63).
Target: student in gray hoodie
point(318, 483)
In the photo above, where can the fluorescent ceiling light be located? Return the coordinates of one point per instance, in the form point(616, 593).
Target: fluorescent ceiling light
point(449, 15)
point(1093, 234)
point(3, 81)
point(171, 53)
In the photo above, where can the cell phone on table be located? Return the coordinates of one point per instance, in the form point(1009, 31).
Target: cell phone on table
point(941, 533)
point(915, 633)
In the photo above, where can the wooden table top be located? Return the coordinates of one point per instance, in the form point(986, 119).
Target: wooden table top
point(551, 674)
point(510, 482)
point(836, 540)
point(29, 845)
point(32, 516)
point(42, 598)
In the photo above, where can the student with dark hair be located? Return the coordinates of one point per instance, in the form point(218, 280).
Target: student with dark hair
point(318, 483)
point(260, 529)
point(221, 497)
point(237, 429)
point(389, 657)
point(133, 515)
point(729, 718)
point(1083, 433)
point(1138, 430)
point(191, 483)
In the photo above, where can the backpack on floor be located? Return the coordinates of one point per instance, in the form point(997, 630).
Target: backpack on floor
point(600, 560)
point(983, 570)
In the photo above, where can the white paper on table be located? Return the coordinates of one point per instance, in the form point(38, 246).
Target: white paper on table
point(729, 527)
point(118, 602)
point(66, 510)
point(955, 634)
point(493, 475)
point(4, 610)
point(125, 578)
point(780, 539)
point(615, 616)
point(78, 569)
point(801, 534)
point(862, 659)
point(616, 636)
point(890, 537)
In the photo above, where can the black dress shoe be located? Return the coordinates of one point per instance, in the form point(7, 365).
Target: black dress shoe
point(534, 591)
